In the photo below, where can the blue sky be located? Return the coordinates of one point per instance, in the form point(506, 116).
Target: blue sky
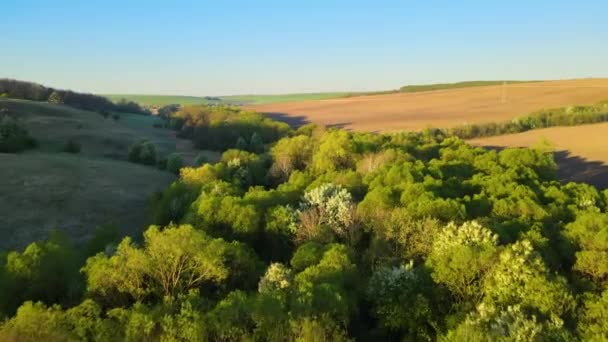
point(256, 47)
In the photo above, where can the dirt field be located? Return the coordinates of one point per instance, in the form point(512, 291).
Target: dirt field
point(441, 108)
point(581, 151)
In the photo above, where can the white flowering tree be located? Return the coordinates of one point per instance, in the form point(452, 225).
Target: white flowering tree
point(329, 205)
point(521, 278)
point(489, 323)
point(460, 258)
point(278, 278)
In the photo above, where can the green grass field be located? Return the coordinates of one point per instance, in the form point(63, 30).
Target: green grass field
point(160, 100)
point(46, 189)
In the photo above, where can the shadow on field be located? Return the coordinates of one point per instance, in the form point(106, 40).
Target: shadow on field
point(573, 168)
point(291, 120)
point(300, 120)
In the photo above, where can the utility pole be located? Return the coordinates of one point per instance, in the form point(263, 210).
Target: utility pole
point(504, 92)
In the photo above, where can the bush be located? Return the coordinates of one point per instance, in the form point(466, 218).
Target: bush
point(14, 137)
point(143, 152)
point(174, 163)
point(72, 146)
point(200, 159)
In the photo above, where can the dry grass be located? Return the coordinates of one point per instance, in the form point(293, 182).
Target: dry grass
point(73, 194)
point(442, 108)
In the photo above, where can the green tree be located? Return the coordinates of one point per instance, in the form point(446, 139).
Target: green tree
point(521, 278)
point(171, 262)
point(590, 232)
point(461, 257)
point(174, 163)
point(256, 144)
point(55, 97)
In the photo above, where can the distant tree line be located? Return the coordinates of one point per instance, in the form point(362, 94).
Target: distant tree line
point(567, 116)
point(35, 92)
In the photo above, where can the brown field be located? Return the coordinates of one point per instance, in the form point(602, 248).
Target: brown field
point(440, 108)
point(581, 151)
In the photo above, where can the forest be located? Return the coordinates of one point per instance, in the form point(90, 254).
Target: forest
point(315, 234)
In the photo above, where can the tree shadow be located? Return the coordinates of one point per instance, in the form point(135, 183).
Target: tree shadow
point(577, 169)
point(573, 168)
point(292, 120)
point(296, 121)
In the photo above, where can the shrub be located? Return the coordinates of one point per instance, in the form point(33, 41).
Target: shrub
point(200, 159)
point(14, 137)
point(72, 146)
point(143, 152)
point(174, 163)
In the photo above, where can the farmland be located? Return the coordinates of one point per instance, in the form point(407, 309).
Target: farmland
point(440, 108)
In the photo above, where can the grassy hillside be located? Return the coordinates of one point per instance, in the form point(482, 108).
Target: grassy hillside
point(73, 194)
point(53, 125)
point(46, 188)
point(442, 86)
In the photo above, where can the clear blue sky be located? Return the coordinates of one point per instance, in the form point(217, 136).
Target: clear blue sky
point(242, 47)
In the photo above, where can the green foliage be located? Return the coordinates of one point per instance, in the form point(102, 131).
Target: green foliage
point(521, 278)
point(223, 127)
point(329, 235)
point(567, 116)
point(335, 152)
point(172, 261)
point(461, 257)
point(201, 159)
point(590, 232)
point(593, 325)
point(143, 152)
point(511, 324)
point(400, 297)
point(14, 137)
point(174, 163)
point(36, 92)
point(45, 271)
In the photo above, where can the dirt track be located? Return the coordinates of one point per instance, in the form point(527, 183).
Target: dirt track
point(442, 108)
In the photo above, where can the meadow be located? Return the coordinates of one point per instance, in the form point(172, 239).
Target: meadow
point(76, 193)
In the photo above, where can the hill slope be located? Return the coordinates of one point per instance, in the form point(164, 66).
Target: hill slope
point(440, 108)
point(47, 189)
